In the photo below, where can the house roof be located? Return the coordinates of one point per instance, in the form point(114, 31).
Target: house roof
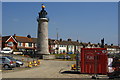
point(23, 39)
point(116, 47)
point(52, 42)
point(5, 38)
point(34, 40)
point(109, 46)
point(84, 44)
point(62, 42)
point(68, 42)
point(96, 45)
point(76, 43)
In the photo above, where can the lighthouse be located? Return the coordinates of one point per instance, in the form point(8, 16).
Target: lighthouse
point(42, 36)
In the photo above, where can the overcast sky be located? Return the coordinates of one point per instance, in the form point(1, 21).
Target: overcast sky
point(85, 21)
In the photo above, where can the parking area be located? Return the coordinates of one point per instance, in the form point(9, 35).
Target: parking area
point(48, 69)
point(27, 61)
point(57, 68)
point(11, 63)
point(17, 69)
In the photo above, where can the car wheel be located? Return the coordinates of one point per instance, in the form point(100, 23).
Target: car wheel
point(6, 67)
point(17, 65)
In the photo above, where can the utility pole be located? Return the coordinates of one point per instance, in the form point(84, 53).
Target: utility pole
point(57, 33)
point(57, 39)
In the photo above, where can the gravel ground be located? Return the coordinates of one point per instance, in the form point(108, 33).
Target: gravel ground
point(47, 69)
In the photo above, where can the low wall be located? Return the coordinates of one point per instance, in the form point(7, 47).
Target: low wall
point(48, 57)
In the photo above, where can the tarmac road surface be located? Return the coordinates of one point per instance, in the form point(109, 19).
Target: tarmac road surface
point(47, 69)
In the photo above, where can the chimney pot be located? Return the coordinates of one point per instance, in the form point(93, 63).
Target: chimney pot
point(69, 39)
point(14, 35)
point(60, 39)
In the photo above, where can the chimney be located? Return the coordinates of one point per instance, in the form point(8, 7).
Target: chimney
point(29, 36)
point(106, 44)
point(14, 35)
point(69, 39)
point(77, 40)
point(98, 43)
point(89, 42)
point(60, 39)
point(111, 44)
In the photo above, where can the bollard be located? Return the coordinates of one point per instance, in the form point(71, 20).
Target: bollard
point(73, 67)
point(34, 63)
point(29, 64)
point(22, 59)
point(38, 62)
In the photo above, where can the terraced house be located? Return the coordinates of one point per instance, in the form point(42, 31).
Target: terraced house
point(28, 44)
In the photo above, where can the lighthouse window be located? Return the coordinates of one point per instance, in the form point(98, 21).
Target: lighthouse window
point(10, 44)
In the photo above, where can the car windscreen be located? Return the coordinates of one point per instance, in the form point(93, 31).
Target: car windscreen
point(6, 50)
point(10, 58)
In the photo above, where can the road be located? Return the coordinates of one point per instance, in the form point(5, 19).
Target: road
point(47, 69)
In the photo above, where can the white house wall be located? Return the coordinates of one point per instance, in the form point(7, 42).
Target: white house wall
point(61, 49)
point(71, 48)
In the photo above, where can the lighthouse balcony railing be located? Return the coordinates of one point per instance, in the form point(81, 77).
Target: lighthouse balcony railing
point(38, 18)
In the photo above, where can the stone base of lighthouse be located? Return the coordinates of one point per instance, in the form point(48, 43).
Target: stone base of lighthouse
point(45, 56)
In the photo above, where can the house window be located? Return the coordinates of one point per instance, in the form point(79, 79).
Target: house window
point(60, 45)
point(10, 44)
point(30, 44)
point(60, 51)
point(19, 44)
point(26, 44)
point(35, 45)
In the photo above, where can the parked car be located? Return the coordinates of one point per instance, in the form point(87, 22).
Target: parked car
point(18, 62)
point(7, 63)
point(67, 57)
point(7, 50)
point(60, 57)
point(64, 57)
point(70, 53)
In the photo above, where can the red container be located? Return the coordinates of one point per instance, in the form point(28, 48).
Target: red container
point(94, 60)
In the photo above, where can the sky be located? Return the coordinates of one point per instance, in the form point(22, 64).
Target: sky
point(83, 21)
